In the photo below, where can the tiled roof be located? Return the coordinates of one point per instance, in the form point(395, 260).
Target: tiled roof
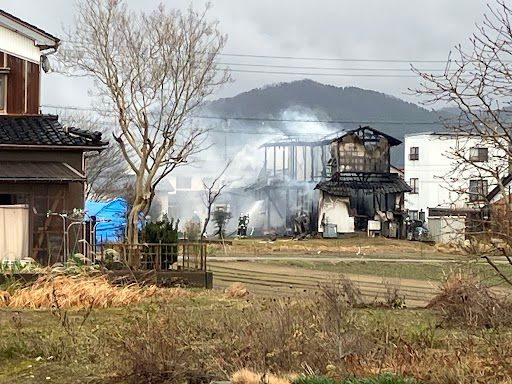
point(44, 130)
point(342, 184)
point(38, 171)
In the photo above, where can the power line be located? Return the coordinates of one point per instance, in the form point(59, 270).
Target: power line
point(331, 59)
point(270, 120)
point(277, 57)
point(319, 74)
point(327, 68)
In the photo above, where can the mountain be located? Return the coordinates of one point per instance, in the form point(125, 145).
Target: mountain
point(310, 100)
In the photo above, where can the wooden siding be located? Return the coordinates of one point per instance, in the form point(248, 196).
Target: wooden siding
point(15, 85)
point(32, 88)
point(23, 82)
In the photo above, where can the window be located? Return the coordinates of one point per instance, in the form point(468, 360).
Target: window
point(478, 190)
point(414, 153)
point(413, 183)
point(478, 154)
point(413, 215)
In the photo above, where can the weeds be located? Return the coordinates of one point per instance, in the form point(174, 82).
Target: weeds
point(464, 301)
point(393, 297)
point(328, 337)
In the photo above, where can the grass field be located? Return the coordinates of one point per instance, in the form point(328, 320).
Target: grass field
point(350, 246)
point(212, 335)
point(299, 316)
point(429, 271)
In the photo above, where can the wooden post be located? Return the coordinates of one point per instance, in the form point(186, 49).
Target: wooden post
point(284, 150)
point(311, 148)
point(274, 161)
point(265, 165)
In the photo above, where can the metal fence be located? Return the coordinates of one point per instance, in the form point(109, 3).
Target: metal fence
point(182, 256)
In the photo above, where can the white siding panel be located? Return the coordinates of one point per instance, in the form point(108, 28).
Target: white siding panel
point(17, 45)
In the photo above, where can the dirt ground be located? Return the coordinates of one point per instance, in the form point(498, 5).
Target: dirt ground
point(272, 279)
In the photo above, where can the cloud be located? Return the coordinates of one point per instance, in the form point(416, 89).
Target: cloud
point(372, 29)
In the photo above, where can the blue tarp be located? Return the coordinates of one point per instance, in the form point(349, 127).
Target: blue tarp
point(111, 218)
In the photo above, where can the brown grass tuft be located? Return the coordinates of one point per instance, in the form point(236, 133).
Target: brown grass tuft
point(246, 376)
point(464, 301)
point(83, 291)
point(5, 298)
point(236, 291)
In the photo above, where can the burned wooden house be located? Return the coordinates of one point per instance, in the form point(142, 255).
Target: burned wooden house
point(336, 185)
point(362, 193)
point(286, 183)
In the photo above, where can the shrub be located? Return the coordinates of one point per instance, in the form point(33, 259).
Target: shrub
point(236, 290)
point(384, 379)
point(464, 301)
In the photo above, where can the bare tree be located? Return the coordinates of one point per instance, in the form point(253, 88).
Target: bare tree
point(153, 70)
point(478, 81)
point(107, 172)
point(212, 191)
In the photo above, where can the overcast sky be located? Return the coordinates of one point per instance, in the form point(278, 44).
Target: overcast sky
point(346, 29)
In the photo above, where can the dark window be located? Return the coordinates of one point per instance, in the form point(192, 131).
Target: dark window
point(478, 190)
point(478, 154)
point(414, 153)
point(6, 199)
point(413, 215)
point(413, 183)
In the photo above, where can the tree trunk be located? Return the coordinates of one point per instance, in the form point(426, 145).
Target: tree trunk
point(132, 234)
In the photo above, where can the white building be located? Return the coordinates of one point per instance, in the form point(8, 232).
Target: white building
point(444, 182)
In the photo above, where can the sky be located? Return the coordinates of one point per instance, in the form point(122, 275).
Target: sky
point(409, 30)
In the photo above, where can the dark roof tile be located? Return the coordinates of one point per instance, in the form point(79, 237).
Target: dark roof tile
point(344, 184)
point(44, 130)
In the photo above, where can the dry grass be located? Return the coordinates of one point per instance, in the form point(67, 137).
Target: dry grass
point(464, 301)
point(246, 376)
point(361, 246)
point(5, 298)
point(82, 291)
point(236, 291)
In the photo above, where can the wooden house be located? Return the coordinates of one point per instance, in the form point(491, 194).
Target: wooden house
point(362, 193)
point(42, 171)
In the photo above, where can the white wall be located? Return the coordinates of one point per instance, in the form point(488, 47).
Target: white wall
point(434, 171)
point(334, 210)
point(18, 45)
point(14, 232)
point(447, 229)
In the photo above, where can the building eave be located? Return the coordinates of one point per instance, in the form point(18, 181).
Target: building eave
point(42, 39)
point(61, 147)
